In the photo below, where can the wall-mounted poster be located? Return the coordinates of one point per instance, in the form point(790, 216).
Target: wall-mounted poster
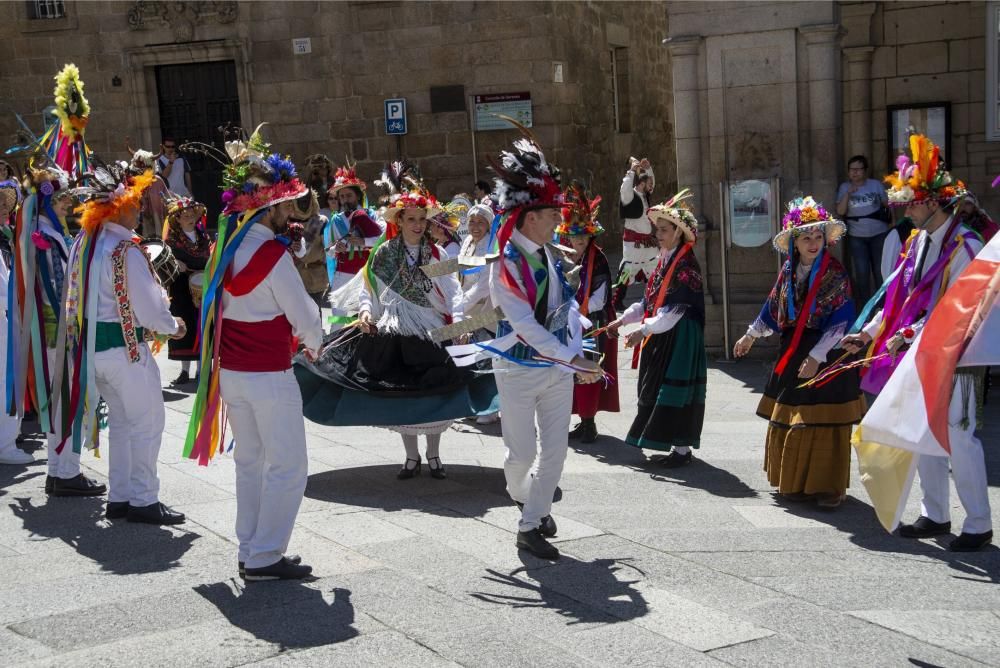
point(750, 213)
point(932, 119)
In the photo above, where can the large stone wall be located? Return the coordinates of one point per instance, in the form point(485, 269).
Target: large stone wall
point(331, 100)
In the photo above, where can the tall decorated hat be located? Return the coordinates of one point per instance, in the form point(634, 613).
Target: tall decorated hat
point(253, 177)
point(347, 177)
point(921, 176)
point(64, 140)
point(406, 190)
point(450, 217)
point(524, 178)
point(806, 214)
point(175, 204)
point(579, 214)
point(676, 210)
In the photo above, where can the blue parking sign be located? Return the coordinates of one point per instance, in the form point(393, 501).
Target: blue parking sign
point(395, 116)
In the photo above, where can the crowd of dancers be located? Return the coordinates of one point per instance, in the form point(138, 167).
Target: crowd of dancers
point(501, 305)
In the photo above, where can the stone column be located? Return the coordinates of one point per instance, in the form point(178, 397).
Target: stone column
point(858, 104)
point(685, 61)
point(824, 120)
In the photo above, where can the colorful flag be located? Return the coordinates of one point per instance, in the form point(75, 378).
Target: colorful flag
point(910, 416)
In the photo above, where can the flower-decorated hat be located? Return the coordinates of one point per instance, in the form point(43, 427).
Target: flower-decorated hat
point(406, 191)
point(677, 211)
point(579, 214)
point(805, 214)
point(176, 203)
point(346, 177)
point(45, 177)
point(252, 177)
point(450, 216)
point(921, 176)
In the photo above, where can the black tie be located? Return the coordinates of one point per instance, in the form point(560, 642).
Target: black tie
point(918, 272)
point(542, 305)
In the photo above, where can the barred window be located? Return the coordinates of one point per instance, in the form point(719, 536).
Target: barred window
point(619, 82)
point(46, 9)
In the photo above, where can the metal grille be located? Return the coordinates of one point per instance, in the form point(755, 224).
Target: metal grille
point(46, 9)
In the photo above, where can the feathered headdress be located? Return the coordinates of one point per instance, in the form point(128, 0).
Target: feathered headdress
point(921, 175)
point(677, 211)
point(579, 214)
point(524, 178)
point(346, 177)
point(109, 190)
point(252, 178)
point(405, 190)
point(64, 140)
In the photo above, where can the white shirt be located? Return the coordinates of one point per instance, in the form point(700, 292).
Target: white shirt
point(933, 242)
point(519, 313)
point(628, 193)
point(476, 285)
point(280, 293)
point(175, 182)
point(148, 299)
point(446, 300)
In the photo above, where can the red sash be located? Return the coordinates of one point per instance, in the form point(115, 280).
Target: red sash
point(257, 269)
point(256, 346)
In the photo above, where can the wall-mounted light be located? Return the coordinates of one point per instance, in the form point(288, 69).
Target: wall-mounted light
point(116, 81)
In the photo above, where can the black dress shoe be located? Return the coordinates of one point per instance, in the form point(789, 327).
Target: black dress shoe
point(282, 569)
point(406, 472)
point(534, 542)
point(971, 542)
point(924, 527)
point(585, 432)
point(437, 472)
point(547, 525)
point(183, 379)
point(292, 559)
point(675, 460)
point(80, 485)
point(155, 513)
point(116, 510)
point(49, 482)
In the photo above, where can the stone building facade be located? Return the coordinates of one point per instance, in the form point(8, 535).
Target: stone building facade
point(790, 90)
point(330, 99)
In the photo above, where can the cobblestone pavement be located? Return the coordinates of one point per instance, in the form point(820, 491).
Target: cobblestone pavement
point(689, 567)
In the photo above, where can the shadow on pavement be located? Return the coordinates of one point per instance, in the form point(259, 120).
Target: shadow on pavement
point(121, 547)
point(857, 519)
point(699, 474)
point(580, 591)
point(11, 474)
point(377, 487)
point(288, 614)
point(751, 372)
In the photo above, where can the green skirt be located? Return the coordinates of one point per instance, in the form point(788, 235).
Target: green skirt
point(672, 374)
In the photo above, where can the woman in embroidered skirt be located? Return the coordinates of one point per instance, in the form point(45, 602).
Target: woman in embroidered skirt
point(580, 228)
point(670, 344)
point(808, 452)
point(386, 370)
point(186, 236)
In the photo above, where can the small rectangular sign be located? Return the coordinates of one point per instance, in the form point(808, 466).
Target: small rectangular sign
point(514, 105)
point(395, 116)
point(302, 45)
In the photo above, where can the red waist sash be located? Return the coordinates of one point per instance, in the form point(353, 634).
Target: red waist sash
point(261, 346)
point(632, 235)
point(352, 262)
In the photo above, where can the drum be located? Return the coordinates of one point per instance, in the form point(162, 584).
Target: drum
point(163, 260)
point(196, 283)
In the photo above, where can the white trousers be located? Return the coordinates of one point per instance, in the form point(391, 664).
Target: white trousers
point(265, 414)
point(967, 466)
point(135, 424)
point(639, 259)
point(527, 394)
point(67, 464)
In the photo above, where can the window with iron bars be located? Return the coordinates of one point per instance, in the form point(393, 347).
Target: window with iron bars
point(46, 9)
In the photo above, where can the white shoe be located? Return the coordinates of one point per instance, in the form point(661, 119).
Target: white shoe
point(14, 455)
point(488, 419)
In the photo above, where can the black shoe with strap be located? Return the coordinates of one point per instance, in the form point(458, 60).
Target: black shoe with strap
point(971, 542)
point(675, 460)
point(78, 485)
point(437, 472)
point(407, 472)
point(547, 525)
point(924, 527)
point(282, 569)
point(534, 542)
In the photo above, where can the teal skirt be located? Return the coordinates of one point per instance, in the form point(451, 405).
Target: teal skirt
point(672, 374)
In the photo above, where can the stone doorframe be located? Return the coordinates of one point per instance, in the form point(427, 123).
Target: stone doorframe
point(142, 61)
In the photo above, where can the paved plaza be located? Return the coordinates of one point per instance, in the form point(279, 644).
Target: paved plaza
point(696, 566)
